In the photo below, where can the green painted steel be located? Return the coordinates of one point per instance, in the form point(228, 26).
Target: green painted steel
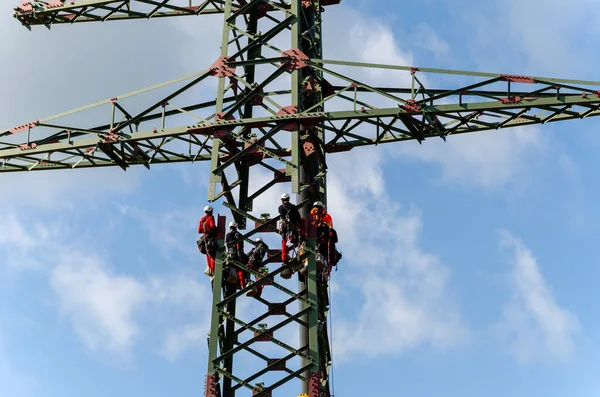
point(245, 125)
point(78, 11)
point(220, 334)
point(216, 318)
point(447, 71)
point(69, 146)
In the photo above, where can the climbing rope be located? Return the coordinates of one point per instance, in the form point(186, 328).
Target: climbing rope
point(331, 339)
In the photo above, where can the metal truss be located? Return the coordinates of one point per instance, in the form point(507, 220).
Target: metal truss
point(47, 13)
point(311, 370)
point(269, 118)
point(146, 137)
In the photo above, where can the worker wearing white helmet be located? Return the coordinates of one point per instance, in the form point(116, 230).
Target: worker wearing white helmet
point(289, 226)
point(255, 258)
point(208, 241)
point(230, 239)
point(234, 244)
point(320, 214)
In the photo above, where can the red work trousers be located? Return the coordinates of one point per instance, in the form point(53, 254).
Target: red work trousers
point(211, 263)
point(240, 276)
point(284, 250)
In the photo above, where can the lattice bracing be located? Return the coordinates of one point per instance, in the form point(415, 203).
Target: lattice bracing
point(391, 113)
point(280, 109)
point(47, 13)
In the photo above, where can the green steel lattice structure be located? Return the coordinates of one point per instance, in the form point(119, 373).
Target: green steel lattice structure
point(270, 114)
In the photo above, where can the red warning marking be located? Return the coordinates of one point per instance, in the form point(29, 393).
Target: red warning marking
point(518, 79)
point(511, 99)
point(221, 68)
point(296, 59)
point(22, 127)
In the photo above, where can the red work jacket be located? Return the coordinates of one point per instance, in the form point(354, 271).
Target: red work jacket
point(322, 217)
point(207, 225)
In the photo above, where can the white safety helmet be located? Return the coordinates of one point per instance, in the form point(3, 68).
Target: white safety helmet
point(258, 240)
point(285, 196)
point(208, 208)
point(318, 204)
point(232, 224)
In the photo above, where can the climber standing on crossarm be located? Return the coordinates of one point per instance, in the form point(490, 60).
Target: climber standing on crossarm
point(256, 257)
point(289, 226)
point(234, 245)
point(207, 243)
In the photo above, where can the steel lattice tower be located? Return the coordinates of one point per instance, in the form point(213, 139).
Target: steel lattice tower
point(244, 128)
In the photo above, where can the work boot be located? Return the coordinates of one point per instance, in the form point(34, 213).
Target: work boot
point(287, 272)
point(252, 292)
point(320, 261)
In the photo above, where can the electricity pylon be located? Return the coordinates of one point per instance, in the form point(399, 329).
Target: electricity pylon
point(269, 114)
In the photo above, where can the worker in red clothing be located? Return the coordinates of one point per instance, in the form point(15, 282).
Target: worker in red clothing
point(321, 216)
point(289, 226)
point(325, 234)
point(208, 240)
point(234, 245)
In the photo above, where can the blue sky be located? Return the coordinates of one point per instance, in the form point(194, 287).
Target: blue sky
point(469, 266)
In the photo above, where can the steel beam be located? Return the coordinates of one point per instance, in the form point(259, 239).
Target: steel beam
point(235, 149)
point(287, 132)
point(48, 144)
point(48, 13)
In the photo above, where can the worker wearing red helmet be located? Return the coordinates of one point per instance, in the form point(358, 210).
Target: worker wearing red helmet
point(208, 241)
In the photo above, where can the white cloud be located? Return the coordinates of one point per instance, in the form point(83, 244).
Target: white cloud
point(428, 39)
point(108, 309)
point(491, 159)
point(100, 305)
point(12, 233)
point(536, 327)
point(183, 340)
point(18, 242)
point(368, 40)
point(404, 298)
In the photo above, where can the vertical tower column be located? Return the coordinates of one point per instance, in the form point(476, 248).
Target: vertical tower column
point(249, 68)
point(306, 37)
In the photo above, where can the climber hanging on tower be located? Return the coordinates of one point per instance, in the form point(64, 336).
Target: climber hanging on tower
point(234, 246)
point(255, 258)
point(207, 243)
point(326, 236)
point(289, 226)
